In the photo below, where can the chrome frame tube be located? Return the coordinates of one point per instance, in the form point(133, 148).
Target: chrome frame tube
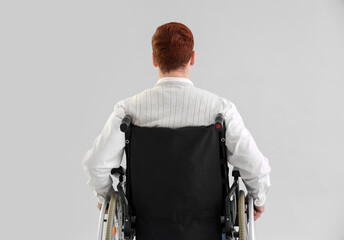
point(251, 219)
point(101, 219)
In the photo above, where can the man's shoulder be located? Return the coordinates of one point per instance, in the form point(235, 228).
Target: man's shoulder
point(207, 92)
point(123, 103)
point(225, 102)
point(226, 105)
point(136, 96)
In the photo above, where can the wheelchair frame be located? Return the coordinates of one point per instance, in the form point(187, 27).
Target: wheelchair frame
point(230, 218)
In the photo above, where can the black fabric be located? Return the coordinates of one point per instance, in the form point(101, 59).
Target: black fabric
point(175, 182)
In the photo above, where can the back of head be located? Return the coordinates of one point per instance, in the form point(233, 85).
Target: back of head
point(172, 45)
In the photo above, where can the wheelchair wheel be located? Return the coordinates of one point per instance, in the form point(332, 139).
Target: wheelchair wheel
point(114, 226)
point(242, 216)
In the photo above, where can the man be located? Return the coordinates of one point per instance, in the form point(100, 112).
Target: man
point(175, 102)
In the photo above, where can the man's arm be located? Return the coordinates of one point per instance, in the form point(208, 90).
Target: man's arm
point(106, 153)
point(243, 153)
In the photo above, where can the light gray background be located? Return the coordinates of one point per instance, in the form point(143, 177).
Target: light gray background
point(64, 64)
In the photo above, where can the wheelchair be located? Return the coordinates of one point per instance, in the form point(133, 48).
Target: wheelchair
point(176, 186)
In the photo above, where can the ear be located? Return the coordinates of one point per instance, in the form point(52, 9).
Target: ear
point(192, 62)
point(154, 60)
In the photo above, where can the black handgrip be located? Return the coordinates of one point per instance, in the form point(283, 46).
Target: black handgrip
point(126, 121)
point(219, 121)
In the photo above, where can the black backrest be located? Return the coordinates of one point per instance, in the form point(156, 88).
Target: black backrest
point(174, 182)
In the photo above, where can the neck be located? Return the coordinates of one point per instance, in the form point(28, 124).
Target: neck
point(175, 74)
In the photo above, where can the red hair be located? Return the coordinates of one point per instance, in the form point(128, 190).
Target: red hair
point(172, 45)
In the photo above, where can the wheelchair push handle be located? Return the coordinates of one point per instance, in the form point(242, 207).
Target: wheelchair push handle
point(219, 120)
point(126, 121)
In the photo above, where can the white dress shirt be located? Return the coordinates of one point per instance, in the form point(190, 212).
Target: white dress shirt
point(175, 102)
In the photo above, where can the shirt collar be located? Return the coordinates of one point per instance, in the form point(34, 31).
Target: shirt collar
point(174, 81)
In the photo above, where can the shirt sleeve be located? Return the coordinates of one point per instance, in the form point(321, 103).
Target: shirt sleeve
point(243, 153)
point(106, 153)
